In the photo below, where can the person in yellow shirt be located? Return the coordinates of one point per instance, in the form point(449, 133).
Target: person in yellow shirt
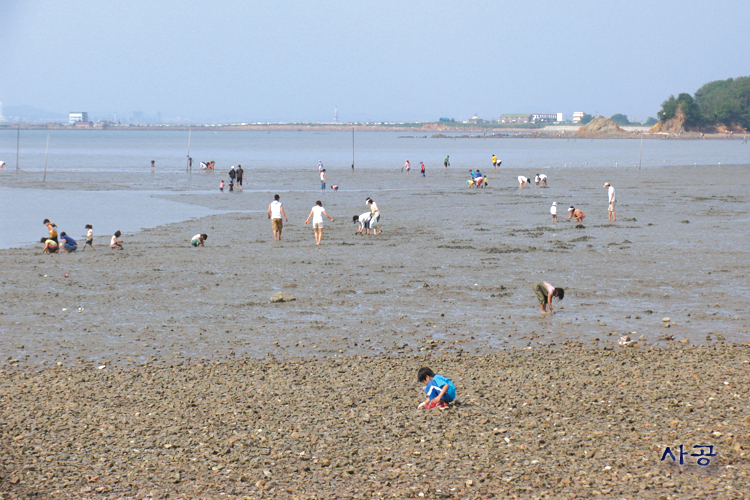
point(494, 161)
point(52, 228)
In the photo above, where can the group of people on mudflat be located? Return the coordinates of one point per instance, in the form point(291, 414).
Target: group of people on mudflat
point(53, 243)
point(368, 221)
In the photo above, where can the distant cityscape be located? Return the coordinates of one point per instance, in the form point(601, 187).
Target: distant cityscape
point(28, 116)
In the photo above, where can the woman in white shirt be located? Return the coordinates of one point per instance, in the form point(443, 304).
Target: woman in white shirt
point(375, 217)
point(317, 214)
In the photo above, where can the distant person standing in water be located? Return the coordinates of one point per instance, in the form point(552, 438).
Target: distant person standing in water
point(317, 214)
point(611, 197)
point(494, 161)
point(407, 167)
point(190, 162)
point(553, 212)
point(421, 167)
point(153, 164)
point(323, 181)
point(275, 213)
point(232, 175)
point(446, 161)
point(320, 166)
point(240, 173)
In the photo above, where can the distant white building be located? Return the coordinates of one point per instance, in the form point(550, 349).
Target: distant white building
point(578, 116)
point(78, 116)
point(514, 118)
point(545, 117)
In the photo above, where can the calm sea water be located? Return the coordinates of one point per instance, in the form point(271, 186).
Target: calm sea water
point(102, 150)
point(127, 153)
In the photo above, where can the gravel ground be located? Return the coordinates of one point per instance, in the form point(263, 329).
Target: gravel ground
point(569, 422)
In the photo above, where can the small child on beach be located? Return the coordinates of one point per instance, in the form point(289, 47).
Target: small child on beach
point(198, 239)
point(89, 238)
point(116, 243)
point(553, 211)
point(439, 389)
point(221, 186)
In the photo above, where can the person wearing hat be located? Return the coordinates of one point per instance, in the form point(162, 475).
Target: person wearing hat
point(612, 199)
point(553, 211)
point(576, 214)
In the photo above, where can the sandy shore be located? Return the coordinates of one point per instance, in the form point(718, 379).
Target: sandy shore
point(192, 345)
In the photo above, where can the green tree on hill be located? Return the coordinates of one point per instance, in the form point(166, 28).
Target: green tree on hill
point(693, 115)
point(722, 102)
point(726, 102)
point(620, 119)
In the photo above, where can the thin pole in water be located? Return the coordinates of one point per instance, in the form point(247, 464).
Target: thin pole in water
point(352, 148)
point(45, 160)
point(187, 168)
point(18, 145)
point(640, 156)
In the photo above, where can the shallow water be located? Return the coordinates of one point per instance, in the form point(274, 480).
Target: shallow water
point(132, 151)
point(23, 211)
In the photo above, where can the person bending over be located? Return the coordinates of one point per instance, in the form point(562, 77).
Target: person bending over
point(544, 293)
point(576, 214)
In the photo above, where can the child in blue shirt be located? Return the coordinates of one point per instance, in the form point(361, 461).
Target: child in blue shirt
point(440, 390)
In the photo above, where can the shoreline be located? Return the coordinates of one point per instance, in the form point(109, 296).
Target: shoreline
point(547, 132)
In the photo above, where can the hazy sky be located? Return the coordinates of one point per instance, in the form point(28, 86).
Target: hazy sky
point(245, 60)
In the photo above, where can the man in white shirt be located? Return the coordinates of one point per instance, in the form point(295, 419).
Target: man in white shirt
point(275, 213)
point(612, 199)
